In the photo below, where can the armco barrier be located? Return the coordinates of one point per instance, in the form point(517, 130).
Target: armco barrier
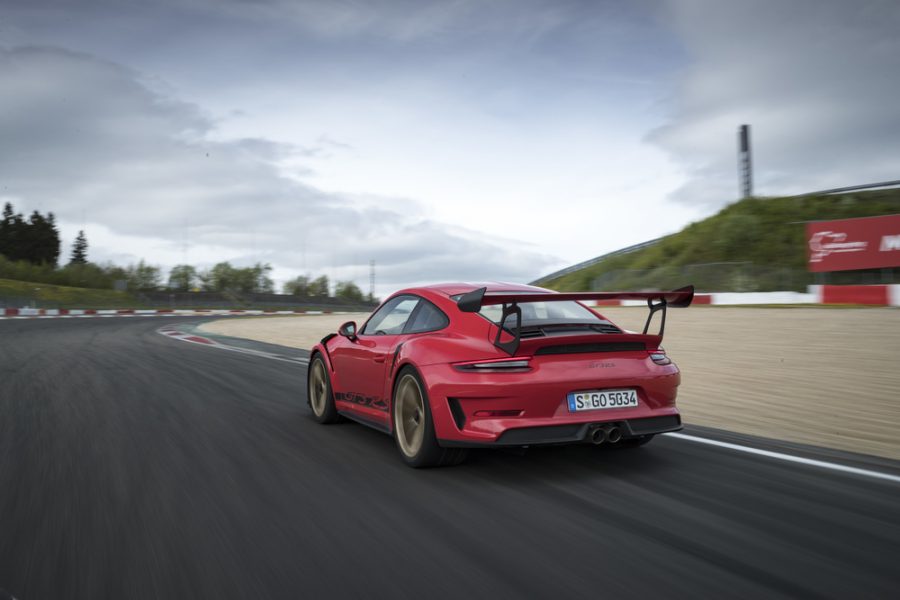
point(868, 295)
point(894, 295)
point(24, 313)
point(725, 298)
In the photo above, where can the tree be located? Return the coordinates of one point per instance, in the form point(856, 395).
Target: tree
point(298, 286)
point(347, 290)
point(142, 276)
point(13, 234)
point(262, 283)
point(225, 278)
point(79, 250)
point(217, 279)
point(41, 240)
point(7, 232)
point(183, 278)
point(35, 240)
point(318, 288)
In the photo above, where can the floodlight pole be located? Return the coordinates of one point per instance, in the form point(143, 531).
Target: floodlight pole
point(745, 166)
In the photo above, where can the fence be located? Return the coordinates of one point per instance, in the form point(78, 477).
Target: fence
point(736, 277)
point(712, 277)
point(41, 297)
point(242, 300)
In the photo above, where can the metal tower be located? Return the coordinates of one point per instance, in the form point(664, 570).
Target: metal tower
point(745, 166)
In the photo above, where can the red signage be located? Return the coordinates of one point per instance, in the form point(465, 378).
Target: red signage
point(865, 243)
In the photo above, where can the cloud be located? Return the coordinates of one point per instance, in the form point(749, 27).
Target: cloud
point(815, 79)
point(401, 20)
point(92, 141)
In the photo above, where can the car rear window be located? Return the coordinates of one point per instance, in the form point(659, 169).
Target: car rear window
point(540, 313)
point(543, 313)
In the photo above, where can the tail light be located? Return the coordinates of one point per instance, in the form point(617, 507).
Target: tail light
point(497, 365)
point(659, 357)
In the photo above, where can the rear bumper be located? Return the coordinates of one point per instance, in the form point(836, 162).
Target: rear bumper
point(572, 433)
point(527, 408)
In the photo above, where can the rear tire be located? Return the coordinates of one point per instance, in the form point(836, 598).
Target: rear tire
point(319, 392)
point(413, 426)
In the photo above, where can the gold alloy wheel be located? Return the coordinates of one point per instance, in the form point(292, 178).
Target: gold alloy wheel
point(318, 388)
point(409, 416)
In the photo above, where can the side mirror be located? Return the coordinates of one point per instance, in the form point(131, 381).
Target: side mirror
point(348, 330)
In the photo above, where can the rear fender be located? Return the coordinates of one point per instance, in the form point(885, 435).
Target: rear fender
point(446, 347)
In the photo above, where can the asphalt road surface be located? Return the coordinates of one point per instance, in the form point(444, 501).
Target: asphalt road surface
point(133, 465)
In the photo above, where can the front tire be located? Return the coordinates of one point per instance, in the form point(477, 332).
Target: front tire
point(413, 426)
point(319, 392)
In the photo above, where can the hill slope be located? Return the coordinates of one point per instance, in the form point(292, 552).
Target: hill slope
point(45, 295)
point(755, 244)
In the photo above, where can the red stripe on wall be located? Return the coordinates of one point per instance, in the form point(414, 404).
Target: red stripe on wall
point(609, 303)
point(873, 295)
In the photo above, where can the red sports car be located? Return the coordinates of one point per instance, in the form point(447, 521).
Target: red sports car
point(452, 366)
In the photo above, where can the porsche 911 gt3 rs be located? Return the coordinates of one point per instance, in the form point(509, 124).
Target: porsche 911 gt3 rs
point(453, 366)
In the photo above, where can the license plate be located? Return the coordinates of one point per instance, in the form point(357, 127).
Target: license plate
point(600, 399)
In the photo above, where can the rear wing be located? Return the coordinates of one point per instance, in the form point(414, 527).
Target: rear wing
point(473, 301)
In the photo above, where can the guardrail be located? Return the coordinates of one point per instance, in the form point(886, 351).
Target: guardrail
point(852, 188)
point(864, 295)
point(594, 261)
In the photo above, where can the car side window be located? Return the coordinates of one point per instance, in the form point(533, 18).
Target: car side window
point(391, 318)
point(428, 317)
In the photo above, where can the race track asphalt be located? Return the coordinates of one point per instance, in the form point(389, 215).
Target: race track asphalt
point(137, 466)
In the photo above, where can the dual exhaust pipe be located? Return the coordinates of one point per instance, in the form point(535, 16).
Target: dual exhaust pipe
point(606, 433)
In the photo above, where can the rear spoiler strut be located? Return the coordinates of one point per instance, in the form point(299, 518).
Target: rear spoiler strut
point(656, 301)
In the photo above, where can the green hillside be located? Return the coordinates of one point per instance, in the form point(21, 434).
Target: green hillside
point(45, 295)
point(757, 244)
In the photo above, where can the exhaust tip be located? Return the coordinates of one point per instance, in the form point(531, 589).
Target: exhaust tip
point(613, 434)
point(598, 436)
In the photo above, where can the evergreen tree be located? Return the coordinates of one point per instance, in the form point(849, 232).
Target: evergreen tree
point(35, 240)
point(49, 242)
point(79, 250)
point(6, 223)
point(12, 230)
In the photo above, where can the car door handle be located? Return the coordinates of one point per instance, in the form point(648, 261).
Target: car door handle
point(379, 358)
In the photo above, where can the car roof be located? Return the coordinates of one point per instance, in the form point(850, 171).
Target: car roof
point(453, 288)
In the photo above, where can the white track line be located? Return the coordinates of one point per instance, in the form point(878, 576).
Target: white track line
point(211, 343)
point(789, 458)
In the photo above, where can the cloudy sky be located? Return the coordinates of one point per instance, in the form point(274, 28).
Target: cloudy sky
point(452, 139)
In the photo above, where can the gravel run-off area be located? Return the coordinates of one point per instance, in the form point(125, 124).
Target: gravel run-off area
point(822, 376)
